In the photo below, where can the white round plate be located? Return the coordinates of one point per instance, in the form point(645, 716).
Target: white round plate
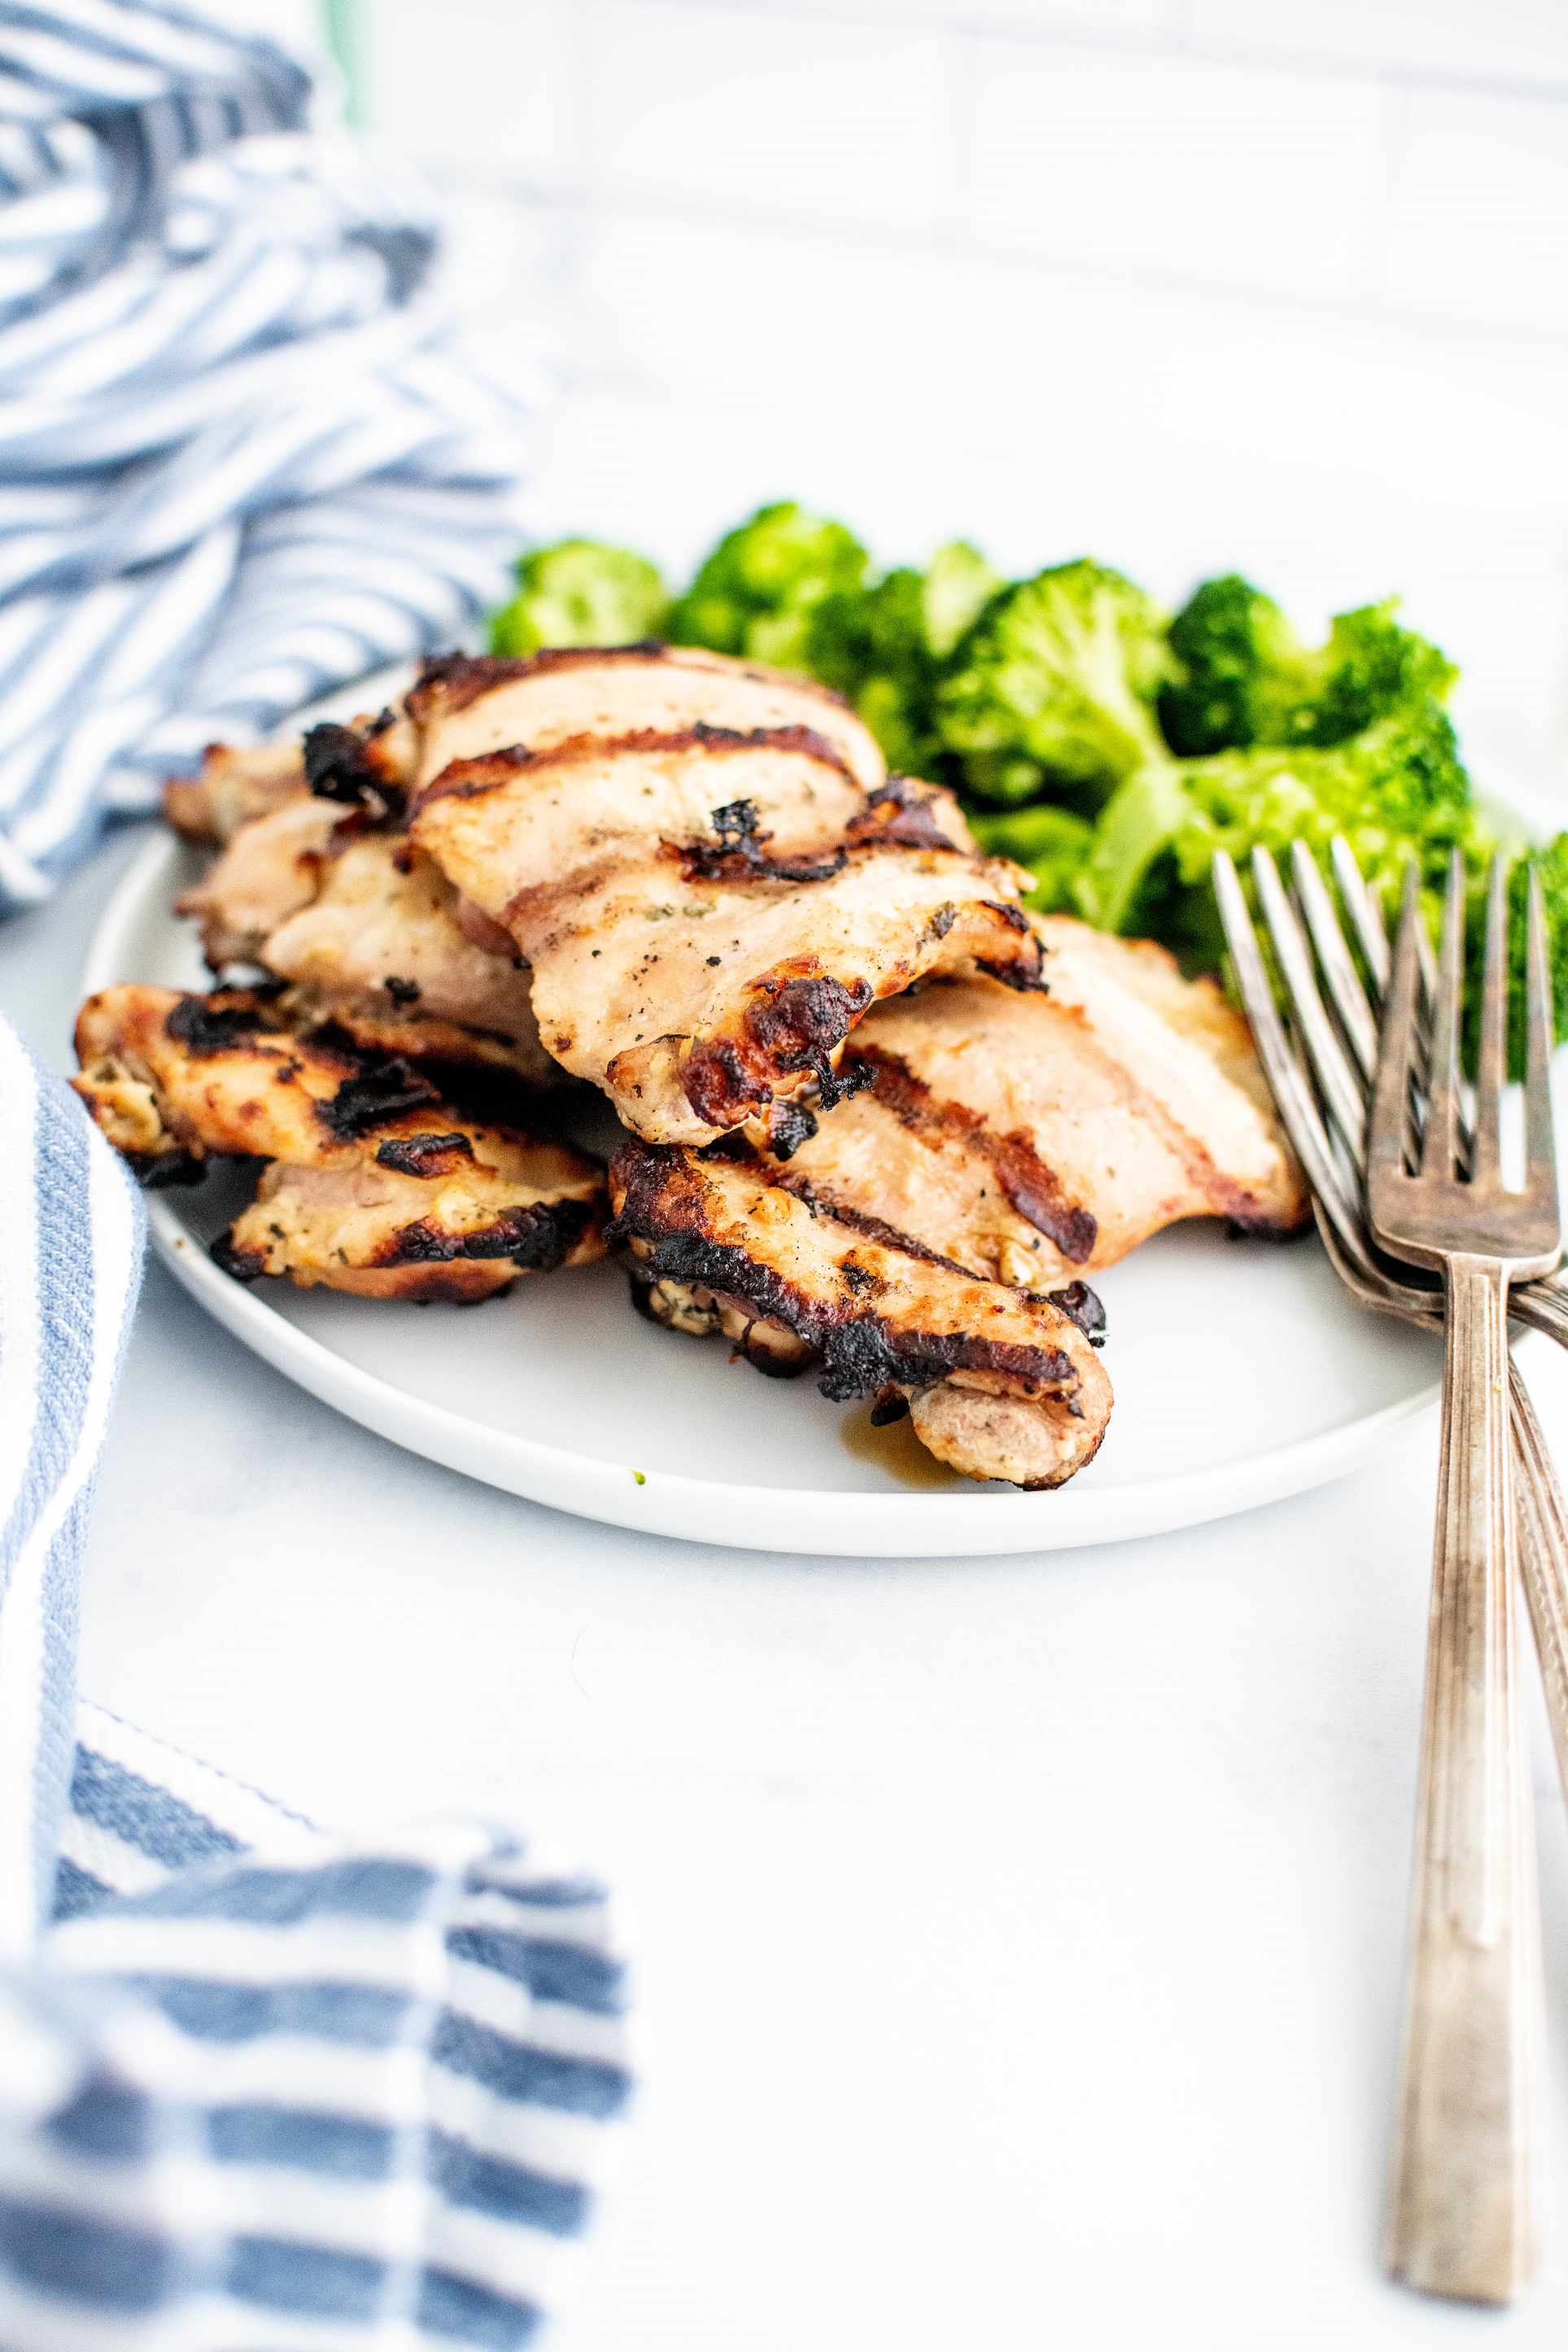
point(1242, 1374)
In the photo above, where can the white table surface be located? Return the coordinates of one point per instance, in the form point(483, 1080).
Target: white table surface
point(1018, 1941)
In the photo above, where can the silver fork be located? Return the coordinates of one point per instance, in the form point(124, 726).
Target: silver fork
point(1335, 1177)
point(1460, 2219)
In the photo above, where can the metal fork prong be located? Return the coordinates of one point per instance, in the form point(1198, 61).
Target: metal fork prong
point(1539, 1144)
point(1443, 1085)
point(1343, 1095)
point(1396, 1043)
point(1492, 1053)
point(1292, 1093)
point(1371, 934)
point(1343, 979)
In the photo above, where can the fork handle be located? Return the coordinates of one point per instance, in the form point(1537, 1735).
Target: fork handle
point(1460, 2223)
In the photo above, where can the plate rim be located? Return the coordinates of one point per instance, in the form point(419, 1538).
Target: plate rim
point(846, 1523)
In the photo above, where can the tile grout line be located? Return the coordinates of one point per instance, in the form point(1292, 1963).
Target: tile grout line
point(1178, 42)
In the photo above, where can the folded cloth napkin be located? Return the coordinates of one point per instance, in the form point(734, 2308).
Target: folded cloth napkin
point(241, 462)
point(260, 2087)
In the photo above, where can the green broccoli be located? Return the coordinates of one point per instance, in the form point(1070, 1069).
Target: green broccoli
point(884, 645)
point(1050, 692)
point(1395, 790)
point(1051, 842)
point(580, 593)
point(1245, 677)
point(1551, 863)
point(756, 593)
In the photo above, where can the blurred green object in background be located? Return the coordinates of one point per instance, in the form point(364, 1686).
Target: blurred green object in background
point(756, 591)
point(581, 592)
point(885, 646)
point(1051, 842)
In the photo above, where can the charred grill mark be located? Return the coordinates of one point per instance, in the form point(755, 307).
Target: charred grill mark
point(381, 1091)
point(539, 1238)
point(1027, 975)
point(792, 1024)
point(875, 1228)
point(1081, 1305)
point(738, 856)
point(860, 1350)
point(896, 814)
point(245, 1266)
point(491, 772)
point(161, 1171)
point(1034, 1189)
point(340, 766)
point(425, 1155)
point(791, 1123)
point(217, 1022)
point(458, 679)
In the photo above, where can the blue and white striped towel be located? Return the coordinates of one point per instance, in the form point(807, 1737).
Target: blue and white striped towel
point(261, 2088)
point(241, 462)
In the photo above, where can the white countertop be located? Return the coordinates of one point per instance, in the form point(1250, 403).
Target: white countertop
point(1018, 1941)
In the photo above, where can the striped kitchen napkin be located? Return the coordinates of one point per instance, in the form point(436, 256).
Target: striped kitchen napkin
point(261, 2087)
point(242, 461)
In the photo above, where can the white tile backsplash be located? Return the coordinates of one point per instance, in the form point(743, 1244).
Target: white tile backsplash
point(1188, 284)
point(1480, 214)
point(497, 90)
point(1218, 171)
point(1489, 39)
point(749, 110)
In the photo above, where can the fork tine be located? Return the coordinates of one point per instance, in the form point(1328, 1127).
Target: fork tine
point(1540, 1145)
point(1292, 1096)
point(1443, 1089)
point(1343, 979)
point(1395, 1043)
point(1371, 932)
point(1365, 912)
point(1492, 1053)
point(1343, 1097)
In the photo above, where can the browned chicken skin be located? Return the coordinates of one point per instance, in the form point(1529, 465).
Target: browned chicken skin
point(998, 1385)
point(375, 1185)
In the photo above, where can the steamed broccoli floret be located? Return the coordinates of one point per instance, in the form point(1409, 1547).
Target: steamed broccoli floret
point(1246, 676)
point(1396, 789)
point(883, 647)
point(1053, 843)
point(578, 592)
point(756, 593)
point(1228, 638)
point(1053, 688)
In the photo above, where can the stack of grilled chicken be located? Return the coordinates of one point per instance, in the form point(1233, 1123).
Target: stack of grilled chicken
point(877, 1119)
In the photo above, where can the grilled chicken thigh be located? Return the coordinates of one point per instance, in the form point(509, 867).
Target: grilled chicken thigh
point(370, 931)
point(999, 1385)
point(1029, 1137)
point(466, 705)
point(380, 951)
point(375, 1184)
point(233, 788)
point(698, 1005)
point(513, 823)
